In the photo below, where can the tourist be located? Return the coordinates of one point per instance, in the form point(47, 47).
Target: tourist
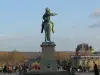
point(10, 68)
point(14, 68)
point(20, 69)
point(72, 70)
point(80, 67)
point(58, 67)
point(36, 67)
point(5, 69)
point(96, 71)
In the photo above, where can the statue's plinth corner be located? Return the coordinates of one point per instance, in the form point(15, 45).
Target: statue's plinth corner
point(48, 44)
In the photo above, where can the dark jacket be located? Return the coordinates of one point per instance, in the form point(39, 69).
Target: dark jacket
point(96, 71)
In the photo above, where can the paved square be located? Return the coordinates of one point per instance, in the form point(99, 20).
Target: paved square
point(9, 74)
point(85, 73)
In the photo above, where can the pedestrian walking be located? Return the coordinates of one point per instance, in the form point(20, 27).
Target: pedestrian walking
point(96, 71)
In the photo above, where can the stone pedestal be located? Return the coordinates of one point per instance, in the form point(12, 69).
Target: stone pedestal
point(48, 56)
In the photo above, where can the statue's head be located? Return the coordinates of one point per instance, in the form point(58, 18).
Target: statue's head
point(47, 9)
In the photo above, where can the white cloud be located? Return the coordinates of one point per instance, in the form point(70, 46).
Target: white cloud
point(96, 25)
point(96, 13)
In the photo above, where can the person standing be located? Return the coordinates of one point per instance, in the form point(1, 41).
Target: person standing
point(96, 71)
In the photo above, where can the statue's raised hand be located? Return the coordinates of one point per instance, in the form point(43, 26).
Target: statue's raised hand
point(55, 14)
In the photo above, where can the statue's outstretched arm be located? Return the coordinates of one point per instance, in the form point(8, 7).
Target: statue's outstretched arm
point(53, 14)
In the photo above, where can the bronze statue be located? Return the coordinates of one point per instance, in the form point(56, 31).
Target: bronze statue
point(47, 24)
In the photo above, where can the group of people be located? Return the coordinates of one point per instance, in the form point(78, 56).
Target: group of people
point(15, 68)
point(22, 68)
point(71, 69)
point(10, 68)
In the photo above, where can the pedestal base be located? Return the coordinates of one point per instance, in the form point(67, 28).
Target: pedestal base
point(48, 56)
point(45, 63)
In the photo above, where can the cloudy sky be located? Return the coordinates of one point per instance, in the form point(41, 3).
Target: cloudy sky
point(78, 21)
